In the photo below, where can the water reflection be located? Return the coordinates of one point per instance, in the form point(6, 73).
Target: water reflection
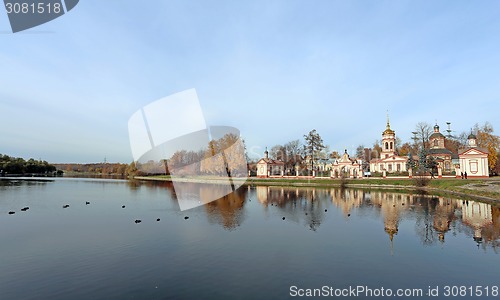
point(21, 181)
point(228, 211)
point(328, 236)
point(478, 216)
point(433, 217)
point(296, 204)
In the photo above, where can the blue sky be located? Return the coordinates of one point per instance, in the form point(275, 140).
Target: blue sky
point(273, 69)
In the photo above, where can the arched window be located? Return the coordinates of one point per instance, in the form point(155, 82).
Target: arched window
point(386, 145)
point(435, 143)
point(391, 145)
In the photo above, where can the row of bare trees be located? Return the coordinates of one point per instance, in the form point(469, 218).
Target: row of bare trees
point(221, 156)
point(304, 155)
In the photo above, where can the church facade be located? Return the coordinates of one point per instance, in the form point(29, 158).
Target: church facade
point(471, 160)
point(439, 152)
point(267, 167)
point(474, 160)
point(346, 167)
point(389, 160)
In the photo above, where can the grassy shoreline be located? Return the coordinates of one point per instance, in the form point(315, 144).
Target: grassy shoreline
point(486, 190)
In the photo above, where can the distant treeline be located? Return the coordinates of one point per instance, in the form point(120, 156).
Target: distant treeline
point(223, 155)
point(17, 165)
point(96, 168)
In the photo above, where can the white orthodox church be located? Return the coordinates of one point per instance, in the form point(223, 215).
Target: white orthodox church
point(389, 160)
point(267, 167)
point(473, 160)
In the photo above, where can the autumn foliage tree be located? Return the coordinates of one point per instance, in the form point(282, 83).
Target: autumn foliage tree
point(377, 149)
point(406, 149)
point(224, 155)
point(488, 140)
point(334, 155)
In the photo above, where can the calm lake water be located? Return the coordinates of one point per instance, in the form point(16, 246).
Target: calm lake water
point(236, 247)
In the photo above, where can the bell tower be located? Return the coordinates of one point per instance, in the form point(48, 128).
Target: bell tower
point(388, 141)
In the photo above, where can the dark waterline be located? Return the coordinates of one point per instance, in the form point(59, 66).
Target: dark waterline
point(237, 247)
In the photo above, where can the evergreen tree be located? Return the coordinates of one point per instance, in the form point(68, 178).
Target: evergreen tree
point(431, 164)
point(410, 164)
point(422, 160)
point(314, 144)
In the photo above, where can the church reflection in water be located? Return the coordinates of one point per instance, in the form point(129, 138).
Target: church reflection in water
point(435, 217)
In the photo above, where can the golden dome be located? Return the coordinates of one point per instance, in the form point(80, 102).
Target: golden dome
point(388, 129)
